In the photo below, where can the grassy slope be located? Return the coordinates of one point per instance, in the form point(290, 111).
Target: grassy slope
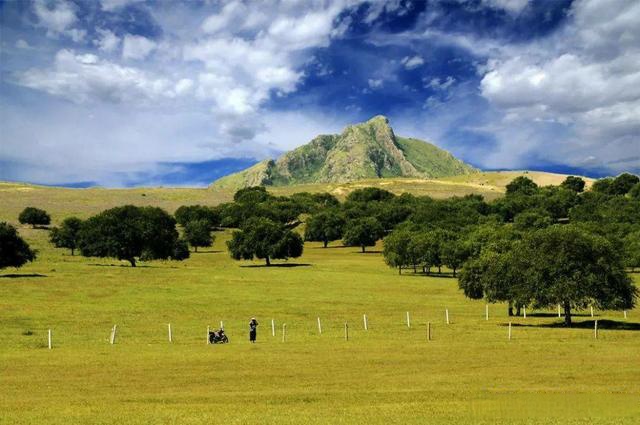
point(469, 373)
point(431, 160)
point(390, 374)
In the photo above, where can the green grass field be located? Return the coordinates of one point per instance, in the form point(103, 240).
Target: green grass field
point(469, 373)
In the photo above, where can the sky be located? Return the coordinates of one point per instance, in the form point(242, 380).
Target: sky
point(123, 93)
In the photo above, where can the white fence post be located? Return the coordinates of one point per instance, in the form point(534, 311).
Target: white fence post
point(221, 325)
point(346, 331)
point(486, 312)
point(595, 329)
point(49, 339)
point(319, 326)
point(558, 310)
point(284, 332)
point(208, 332)
point(509, 331)
point(524, 309)
point(446, 315)
point(408, 320)
point(273, 328)
point(170, 335)
point(113, 334)
point(364, 320)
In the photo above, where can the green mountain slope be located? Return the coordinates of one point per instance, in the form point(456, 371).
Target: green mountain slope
point(363, 151)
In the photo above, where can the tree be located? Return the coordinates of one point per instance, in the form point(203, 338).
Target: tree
point(67, 235)
point(631, 250)
point(325, 226)
point(187, 213)
point(198, 233)
point(130, 233)
point(522, 185)
point(181, 250)
point(602, 185)
point(14, 251)
point(634, 192)
point(369, 194)
point(573, 183)
point(532, 220)
point(454, 253)
point(564, 265)
point(262, 238)
point(34, 217)
point(252, 195)
point(622, 184)
point(362, 232)
point(396, 249)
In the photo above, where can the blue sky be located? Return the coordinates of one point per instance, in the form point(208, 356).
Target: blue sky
point(135, 92)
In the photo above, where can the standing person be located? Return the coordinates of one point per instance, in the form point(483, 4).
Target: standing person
point(253, 324)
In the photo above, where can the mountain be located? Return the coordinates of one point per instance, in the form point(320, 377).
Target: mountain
point(363, 151)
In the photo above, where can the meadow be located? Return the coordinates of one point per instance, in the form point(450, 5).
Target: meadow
point(468, 373)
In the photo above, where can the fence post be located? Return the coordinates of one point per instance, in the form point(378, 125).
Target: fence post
point(446, 315)
point(364, 320)
point(208, 331)
point(558, 310)
point(486, 312)
point(408, 320)
point(113, 334)
point(595, 329)
point(625, 314)
point(509, 331)
point(284, 332)
point(49, 339)
point(273, 328)
point(346, 331)
point(319, 326)
point(171, 336)
point(524, 309)
point(221, 325)
point(428, 331)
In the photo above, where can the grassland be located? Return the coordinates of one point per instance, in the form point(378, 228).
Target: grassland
point(468, 373)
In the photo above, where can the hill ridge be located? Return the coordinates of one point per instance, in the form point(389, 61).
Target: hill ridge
point(362, 151)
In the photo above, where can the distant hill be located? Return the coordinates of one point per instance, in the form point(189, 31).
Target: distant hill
point(369, 150)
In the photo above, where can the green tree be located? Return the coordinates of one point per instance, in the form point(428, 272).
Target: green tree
point(129, 233)
point(34, 217)
point(325, 226)
point(454, 253)
point(14, 251)
point(180, 250)
point(252, 195)
point(187, 213)
point(602, 185)
point(573, 183)
point(369, 194)
point(634, 192)
point(622, 184)
point(522, 185)
point(631, 250)
point(396, 249)
point(198, 234)
point(262, 238)
point(67, 235)
point(362, 232)
point(532, 220)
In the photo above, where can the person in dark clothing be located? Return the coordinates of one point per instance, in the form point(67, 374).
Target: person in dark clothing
point(253, 324)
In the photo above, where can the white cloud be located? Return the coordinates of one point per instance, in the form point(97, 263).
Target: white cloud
point(137, 47)
point(22, 44)
point(412, 62)
point(585, 79)
point(375, 83)
point(511, 6)
point(441, 84)
point(108, 41)
point(111, 5)
point(84, 78)
point(58, 18)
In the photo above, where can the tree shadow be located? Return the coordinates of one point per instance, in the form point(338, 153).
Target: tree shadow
point(18, 275)
point(331, 247)
point(556, 314)
point(138, 266)
point(587, 324)
point(206, 252)
point(369, 252)
point(285, 265)
point(443, 275)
